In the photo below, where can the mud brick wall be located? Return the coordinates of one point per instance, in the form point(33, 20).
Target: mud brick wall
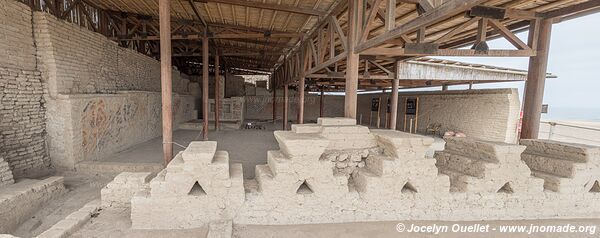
point(75, 60)
point(487, 114)
point(91, 127)
point(22, 107)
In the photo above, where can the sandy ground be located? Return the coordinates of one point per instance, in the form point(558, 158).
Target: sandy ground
point(115, 223)
point(80, 190)
point(248, 147)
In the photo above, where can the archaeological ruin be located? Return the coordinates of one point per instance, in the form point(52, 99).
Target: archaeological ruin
point(248, 118)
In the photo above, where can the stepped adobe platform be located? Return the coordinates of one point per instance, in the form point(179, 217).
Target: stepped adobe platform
point(316, 177)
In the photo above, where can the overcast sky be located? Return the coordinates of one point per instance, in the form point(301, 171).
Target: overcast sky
point(574, 58)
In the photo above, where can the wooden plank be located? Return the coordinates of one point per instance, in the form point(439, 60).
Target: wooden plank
point(285, 106)
point(165, 79)
point(446, 10)
point(275, 7)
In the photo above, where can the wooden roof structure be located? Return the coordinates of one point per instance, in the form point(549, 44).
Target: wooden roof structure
point(270, 36)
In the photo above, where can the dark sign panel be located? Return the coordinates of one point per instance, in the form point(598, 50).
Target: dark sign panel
point(375, 104)
point(411, 106)
point(545, 108)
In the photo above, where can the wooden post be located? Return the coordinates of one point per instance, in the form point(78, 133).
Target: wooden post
point(274, 105)
point(444, 87)
point(301, 100)
point(285, 106)
point(205, 87)
point(165, 79)
point(394, 99)
point(321, 105)
point(217, 92)
point(354, 23)
point(536, 79)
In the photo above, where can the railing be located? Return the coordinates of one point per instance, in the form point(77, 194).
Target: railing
point(570, 133)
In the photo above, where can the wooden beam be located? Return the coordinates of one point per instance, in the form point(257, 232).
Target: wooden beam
point(536, 79)
point(270, 6)
point(217, 92)
point(394, 99)
point(214, 36)
point(446, 10)
point(205, 88)
point(285, 106)
point(165, 79)
point(393, 52)
point(355, 9)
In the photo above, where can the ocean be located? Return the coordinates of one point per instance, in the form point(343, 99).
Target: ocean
point(572, 113)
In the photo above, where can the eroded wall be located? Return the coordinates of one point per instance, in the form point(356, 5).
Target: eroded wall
point(22, 107)
point(490, 114)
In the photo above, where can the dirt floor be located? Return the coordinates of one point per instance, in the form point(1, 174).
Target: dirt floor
point(116, 223)
point(248, 147)
point(81, 189)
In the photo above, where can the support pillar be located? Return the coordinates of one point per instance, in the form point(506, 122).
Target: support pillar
point(217, 93)
point(205, 87)
point(165, 79)
point(301, 100)
point(321, 105)
point(536, 79)
point(351, 87)
point(285, 106)
point(274, 105)
point(394, 99)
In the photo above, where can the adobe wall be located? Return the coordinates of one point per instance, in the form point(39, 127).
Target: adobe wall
point(59, 80)
point(22, 107)
point(490, 114)
point(91, 127)
point(337, 172)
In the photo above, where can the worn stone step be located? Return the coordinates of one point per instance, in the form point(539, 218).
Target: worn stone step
point(556, 166)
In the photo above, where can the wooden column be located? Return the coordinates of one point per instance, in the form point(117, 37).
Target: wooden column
point(165, 79)
point(205, 87)
point(536, 79)
point(321, 105)
point(217, 92)
point(285, 106)
point(444, 87)
point(394, 97)
point(351, 87)
point(301, 100)
point(274, 105)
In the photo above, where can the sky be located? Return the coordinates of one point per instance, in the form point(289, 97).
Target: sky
point(574, 58)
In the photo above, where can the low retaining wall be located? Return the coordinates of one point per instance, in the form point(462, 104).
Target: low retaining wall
point(93, 126)
point(20, 200)
point(336, 171)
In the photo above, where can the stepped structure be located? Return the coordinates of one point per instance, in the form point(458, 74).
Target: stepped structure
point(197, 187)
point(565, 167)
point(300, 166)
point(402, 168)
point(486, 167)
